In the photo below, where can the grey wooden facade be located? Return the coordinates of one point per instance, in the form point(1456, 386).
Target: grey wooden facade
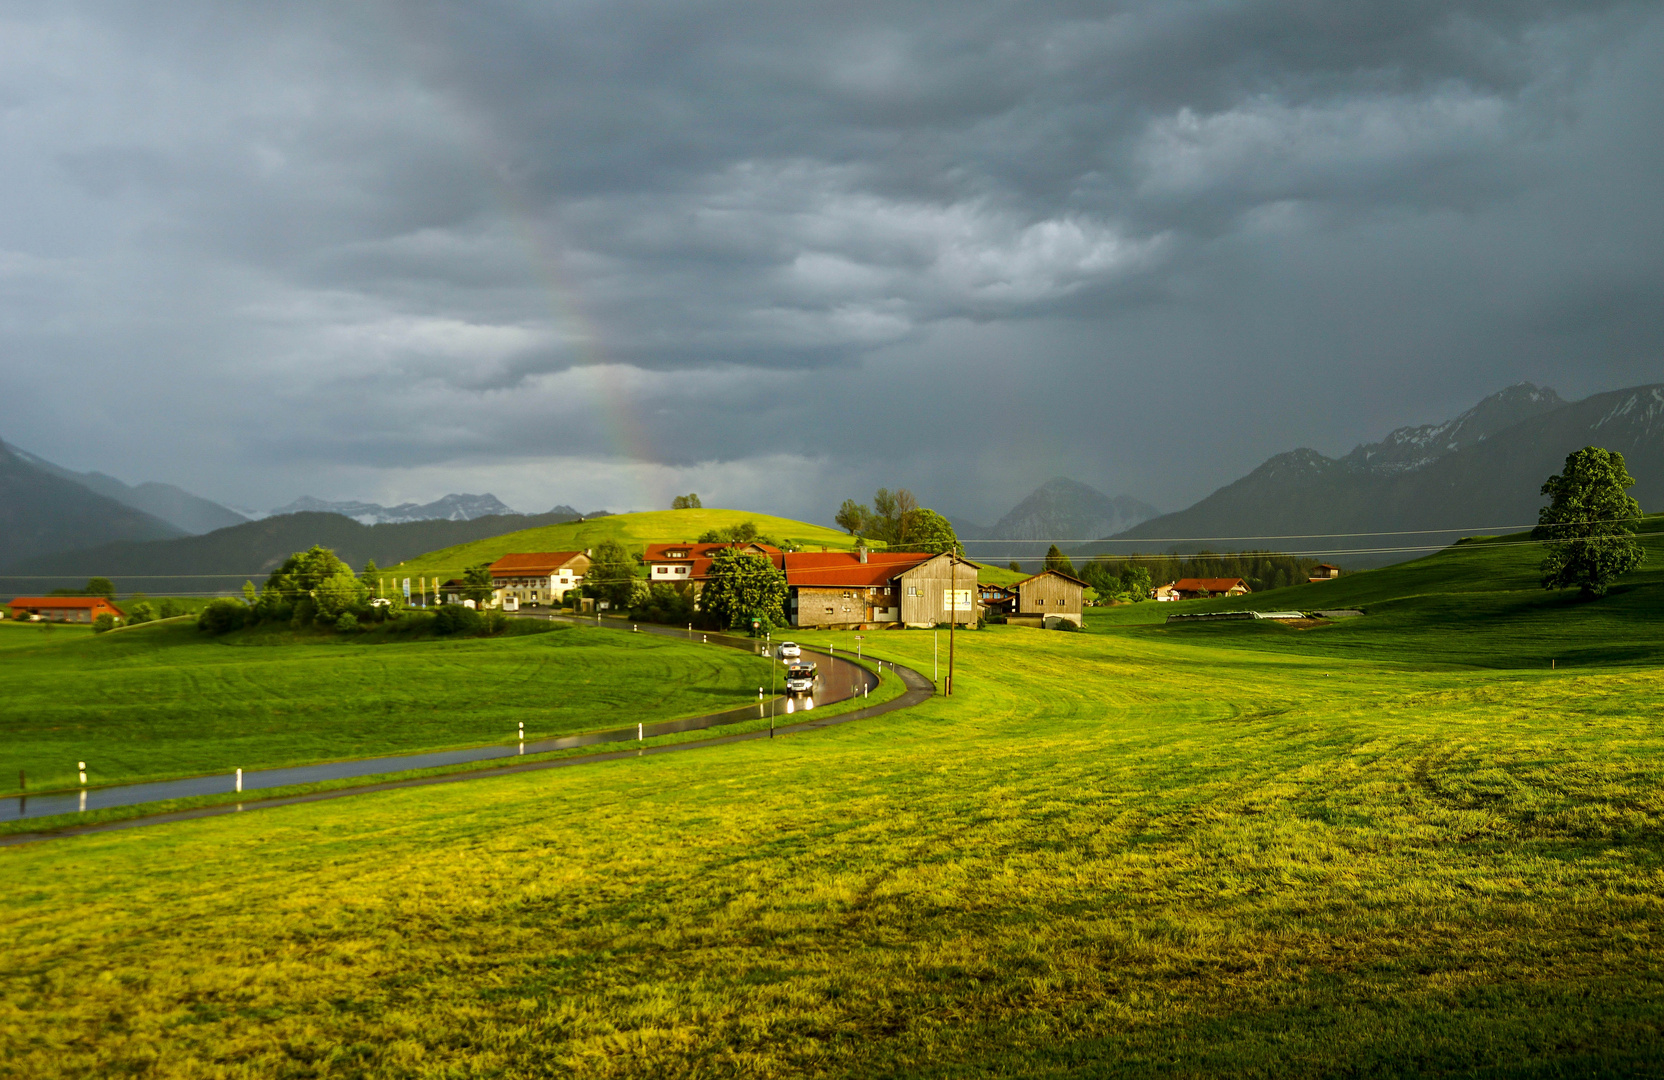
point(1049, 594)
point(924, 591)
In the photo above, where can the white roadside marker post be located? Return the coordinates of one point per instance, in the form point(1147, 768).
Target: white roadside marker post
point(239, 779)
point(81, 767)
point(639, 730)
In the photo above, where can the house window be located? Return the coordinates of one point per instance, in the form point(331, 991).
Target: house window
point(829, 611)
point(681, 569)
point(912, 590)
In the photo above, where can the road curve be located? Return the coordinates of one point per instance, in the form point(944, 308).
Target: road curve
point(919, 689)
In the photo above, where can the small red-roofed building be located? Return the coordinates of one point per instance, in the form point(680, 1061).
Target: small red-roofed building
point(1324, 572)
point(74, 609)
point(1191, 588)
point(537, 577)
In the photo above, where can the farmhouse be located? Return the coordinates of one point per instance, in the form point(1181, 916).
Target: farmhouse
point(539, 577)
point(81, 609)
point(873, 589)
point(997, 599)
point(681, 564)
point(1191, 588)
point(1324, 572)
point(1050, 594)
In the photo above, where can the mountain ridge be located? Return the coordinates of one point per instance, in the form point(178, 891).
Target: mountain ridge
point(185, 511)
point(1451, 482)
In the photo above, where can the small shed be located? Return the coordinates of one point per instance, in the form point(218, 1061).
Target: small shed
point(1324, 572)
point(1049, 594)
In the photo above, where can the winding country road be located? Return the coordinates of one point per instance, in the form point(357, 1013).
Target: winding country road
point(843, 678)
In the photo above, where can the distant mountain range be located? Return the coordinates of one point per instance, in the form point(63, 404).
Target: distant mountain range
point(1430, 485)
point(224, 559)
point(186, 512)
point(42, 512)
point(1060, 511)
point(55, 517)
point(450, 508)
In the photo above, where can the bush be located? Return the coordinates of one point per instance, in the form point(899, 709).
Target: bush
point(104, 623)
point(347, 623)
point(140, 612)
point(456, 619)
point(493, 622)
point(171, 608)
point(223, 616)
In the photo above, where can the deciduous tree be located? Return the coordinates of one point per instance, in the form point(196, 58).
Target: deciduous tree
point(611, 575)
point(744, 587)
point(1589, 524)
point(852, 516)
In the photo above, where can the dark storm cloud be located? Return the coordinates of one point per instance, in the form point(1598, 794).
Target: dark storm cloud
point(1143, 244)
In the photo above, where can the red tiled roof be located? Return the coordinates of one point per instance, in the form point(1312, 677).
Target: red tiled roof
point(62, 602)
point(840, 569)
point(1211, 584)
point(661, 552)
point(533, 562)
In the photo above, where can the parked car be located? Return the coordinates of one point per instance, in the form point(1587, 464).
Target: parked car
point(788, 649)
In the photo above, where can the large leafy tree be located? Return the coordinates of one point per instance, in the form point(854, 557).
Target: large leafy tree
point(930, 531)
point(1589, 524)
point(611, 574)
point(852, 516)
point(744, 587)
point(101, 586)
point(893, 515)
point(686, 502)
point(302, 576)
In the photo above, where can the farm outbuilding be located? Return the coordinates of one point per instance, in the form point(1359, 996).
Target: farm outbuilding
point(78, 609)
point(1050, 594)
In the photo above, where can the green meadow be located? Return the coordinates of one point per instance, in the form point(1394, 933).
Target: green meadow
point(634, 531)
point(1128, 852)
point(1477, 604)
point(161, 701)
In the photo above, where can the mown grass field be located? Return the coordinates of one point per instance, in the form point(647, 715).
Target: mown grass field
point(155, 702)
point(1479, 603)
point(1118, 853)
point(634, 531)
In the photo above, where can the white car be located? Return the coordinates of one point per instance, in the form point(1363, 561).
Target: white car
point(788, 649)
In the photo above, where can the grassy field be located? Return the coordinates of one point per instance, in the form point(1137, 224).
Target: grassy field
point(155, 702)
point(1478, 603)
point(634, 531)
point(1115, 853)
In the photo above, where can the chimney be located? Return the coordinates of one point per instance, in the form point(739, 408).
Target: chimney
point(862, 551)
point(588, 552)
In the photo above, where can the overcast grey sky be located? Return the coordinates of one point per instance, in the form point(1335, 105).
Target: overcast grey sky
point(600, 253)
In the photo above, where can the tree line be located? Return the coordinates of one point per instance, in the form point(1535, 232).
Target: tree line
point(897, 519)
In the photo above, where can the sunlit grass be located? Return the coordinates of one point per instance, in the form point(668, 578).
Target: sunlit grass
point(154, 702)
point(1106, 855)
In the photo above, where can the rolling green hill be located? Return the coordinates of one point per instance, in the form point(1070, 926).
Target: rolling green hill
point(634, 531)
point(1478, 602)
